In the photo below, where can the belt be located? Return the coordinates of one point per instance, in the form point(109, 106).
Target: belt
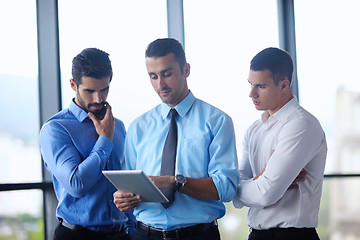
point(286, 233)
point(177, 233)
point(86, 231)
point(71, 226)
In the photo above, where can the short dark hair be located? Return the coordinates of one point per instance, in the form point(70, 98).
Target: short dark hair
point(91, 62)
point(276, 60)
point(163, 46)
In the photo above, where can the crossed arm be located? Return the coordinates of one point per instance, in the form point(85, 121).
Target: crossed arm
point(296, 147)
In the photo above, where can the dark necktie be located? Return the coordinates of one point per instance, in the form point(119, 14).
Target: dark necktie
point(169, 157)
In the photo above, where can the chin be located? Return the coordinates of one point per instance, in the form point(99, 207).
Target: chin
point(100, 114)
point(259, 108)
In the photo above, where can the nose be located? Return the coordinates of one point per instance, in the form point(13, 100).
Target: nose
point(161, 83)
point(253, 93)
point(98, 98)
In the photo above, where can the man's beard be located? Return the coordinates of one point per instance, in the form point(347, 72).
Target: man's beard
point(99, 114)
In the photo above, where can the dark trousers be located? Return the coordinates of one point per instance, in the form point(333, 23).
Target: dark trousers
point(81, 233)
point(284, 234)
point(211, 234)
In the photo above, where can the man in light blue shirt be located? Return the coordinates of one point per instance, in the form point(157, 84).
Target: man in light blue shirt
point(77, 144)
point(206, 160)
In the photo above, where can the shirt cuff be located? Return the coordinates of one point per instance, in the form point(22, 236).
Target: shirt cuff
point(104, 144)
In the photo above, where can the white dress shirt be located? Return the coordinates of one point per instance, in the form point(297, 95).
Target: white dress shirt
point(286, 142)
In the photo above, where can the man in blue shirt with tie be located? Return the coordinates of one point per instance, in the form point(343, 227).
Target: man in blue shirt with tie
point(205, 172)
point(77, 144)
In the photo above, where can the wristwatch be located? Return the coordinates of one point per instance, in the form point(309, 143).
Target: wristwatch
point(180, 181)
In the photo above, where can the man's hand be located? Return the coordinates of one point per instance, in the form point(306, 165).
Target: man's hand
point(259, 174)
point(126, 201)
point(106, 126)
point(163, 182)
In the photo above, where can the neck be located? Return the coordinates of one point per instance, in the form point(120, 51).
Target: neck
point(284, 101)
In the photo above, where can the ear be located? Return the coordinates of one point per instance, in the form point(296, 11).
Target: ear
point(73, 85)
point(285, 83)
point(186, 69)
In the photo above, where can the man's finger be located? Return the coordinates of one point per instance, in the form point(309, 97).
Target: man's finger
point(299, 179)
point(294, 186)
point(92, 117)
point(108, 110)
point(303, 173)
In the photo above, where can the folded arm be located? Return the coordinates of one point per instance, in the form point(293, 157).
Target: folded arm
point(296, 147)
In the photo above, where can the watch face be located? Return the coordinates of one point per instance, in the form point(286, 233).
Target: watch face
point(180, 181)
point(180, 178)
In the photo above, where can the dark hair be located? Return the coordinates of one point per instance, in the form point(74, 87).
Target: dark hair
point(163, 46)
point(277, 61)
point(91, 62)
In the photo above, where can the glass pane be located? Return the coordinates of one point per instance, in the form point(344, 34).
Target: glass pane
point(221, 37)
point(21, 215)
point(328, 49)
point(20, 159)
point(123, 29)
point(219, 46)
point(339, 218)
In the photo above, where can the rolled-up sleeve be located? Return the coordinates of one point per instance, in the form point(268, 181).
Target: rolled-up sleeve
point(223, 160)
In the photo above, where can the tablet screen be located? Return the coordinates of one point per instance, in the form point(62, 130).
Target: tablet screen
point(135, 181)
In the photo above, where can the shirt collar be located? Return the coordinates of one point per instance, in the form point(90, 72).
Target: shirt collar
point(182, 108)
point(282, 113)
point(77, 111)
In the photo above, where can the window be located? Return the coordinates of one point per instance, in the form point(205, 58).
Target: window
point(122, 29)
point(19, 123)
point(327, 51)
point(221, 37)
point(219, 46)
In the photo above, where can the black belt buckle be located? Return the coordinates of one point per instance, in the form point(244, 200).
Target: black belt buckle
point(170, 235)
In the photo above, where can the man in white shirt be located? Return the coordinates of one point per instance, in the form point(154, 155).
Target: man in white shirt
point(277, 150)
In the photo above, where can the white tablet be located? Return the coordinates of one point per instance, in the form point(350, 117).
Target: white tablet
point(135, 181)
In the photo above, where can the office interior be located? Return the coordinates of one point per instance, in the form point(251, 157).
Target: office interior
point(40, 38)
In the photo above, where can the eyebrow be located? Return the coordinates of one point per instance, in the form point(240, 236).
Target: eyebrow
point(89, 89)
point(105, 88)
point(259, 84)
point(162, 71)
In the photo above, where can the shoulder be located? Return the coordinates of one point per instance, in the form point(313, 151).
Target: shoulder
point(303, 118)
point(146, 118)
point(63, 121)
point(55, 120)
point(209, 110)
point(53, 129)
point(119, 124)
point(211, 116)
point(254, 127)
point(302, 122)
point(61, 116)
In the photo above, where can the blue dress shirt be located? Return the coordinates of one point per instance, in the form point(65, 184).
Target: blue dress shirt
point(205, 148)
point(75, 155)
